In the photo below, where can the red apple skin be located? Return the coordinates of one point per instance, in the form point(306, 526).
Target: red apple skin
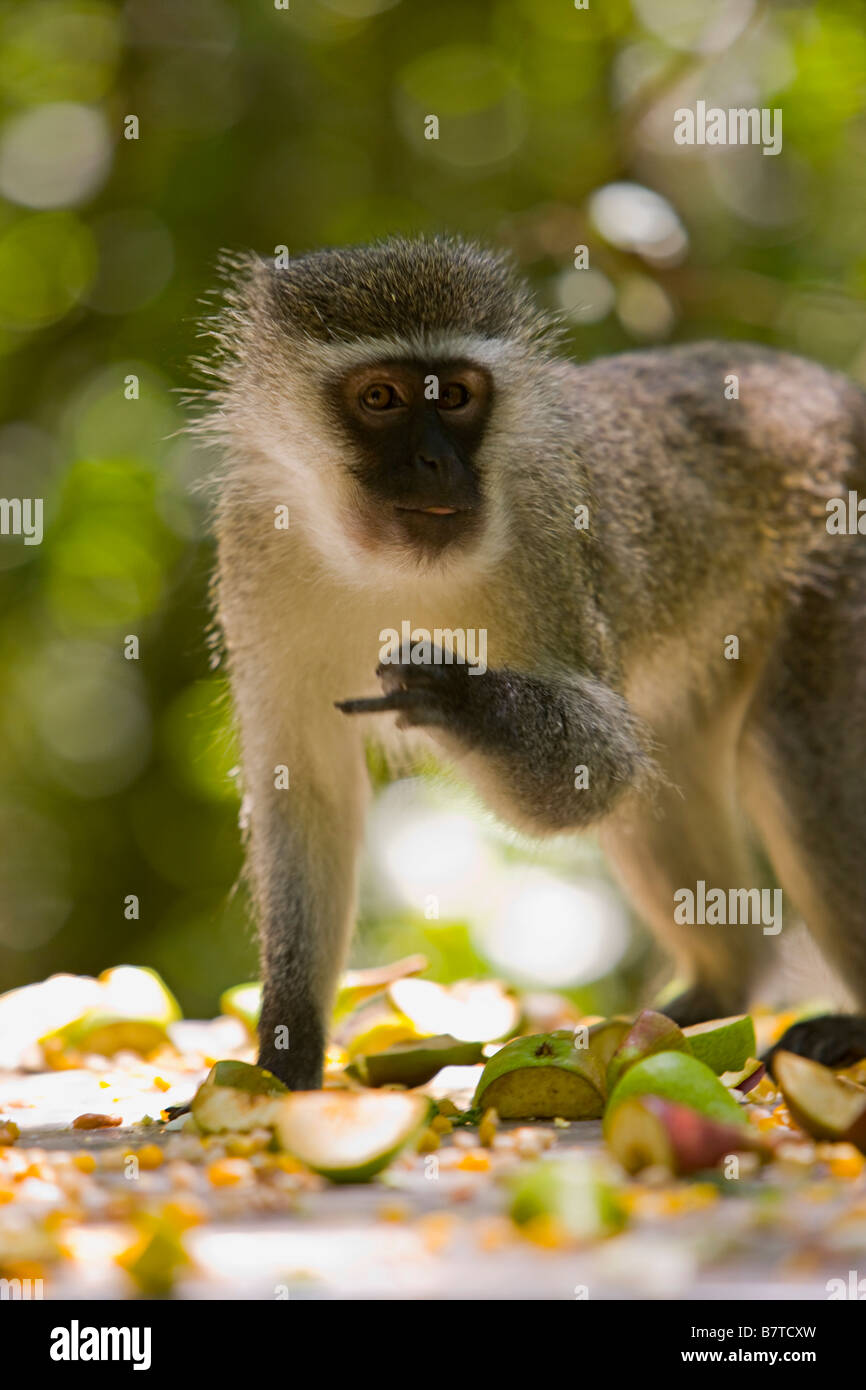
point(695, 1142)
point(751, 1081)
point(651, 1032)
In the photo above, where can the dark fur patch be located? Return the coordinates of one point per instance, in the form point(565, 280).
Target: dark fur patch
point(442, 283)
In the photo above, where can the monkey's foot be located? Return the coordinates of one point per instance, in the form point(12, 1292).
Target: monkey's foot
point(835, 1040)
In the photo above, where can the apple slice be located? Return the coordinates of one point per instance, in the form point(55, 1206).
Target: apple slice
point(648, 1131)
point(543, 1077)
point(357, 985)
point(724, 1044)
point(679, 1077)
point(413, 1063)
point(572, 1194)
point(827, 1106)
point(650, 1033)
point(237, 1096)
point(605, 1037)
point(131, 1012)
point(470, 1010)
point(349, 1136)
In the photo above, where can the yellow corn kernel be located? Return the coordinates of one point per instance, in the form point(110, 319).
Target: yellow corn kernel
point(228, 1172)
point(429, 1142)
point(441, 1124)
point(475, 1161)
point(150, 1156)
point(488, 1127)
point(84, 1162)
point(161, 1084)
point(545, 1231)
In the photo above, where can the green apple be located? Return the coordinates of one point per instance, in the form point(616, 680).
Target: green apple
point(237, 1096)
point(650, 1131)
point(131, 1013)
point(605, 1037)
point(357, 985)
point(827, 1106)
point(470, 1010)
point(650, 1033)
point(724, 1044)
point(349, 1136)
point(543, 1077)
point(413, 1063)
point(678, 1077)
point(573, 1192)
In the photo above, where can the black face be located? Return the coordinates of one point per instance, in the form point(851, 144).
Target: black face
point(416, 428)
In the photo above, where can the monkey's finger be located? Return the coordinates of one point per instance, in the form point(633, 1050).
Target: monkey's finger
point(397, 699)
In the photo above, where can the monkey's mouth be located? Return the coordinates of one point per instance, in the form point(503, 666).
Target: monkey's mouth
point(435, 527)
point(434, 511)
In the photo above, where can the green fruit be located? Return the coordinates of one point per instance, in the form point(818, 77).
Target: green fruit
point(724, 1044)
point(825, 1105)
point(358, 985)
point(243, 1002)
point(605, 1037)
point(470, 1010)
point(676, 1076)
point(349, 1136)
point(238, 1097)
point(133, 1009)
point(650, 1033)
point(543, 1077)
point(413, 1063)
point(572, 1192)
point(651, 1132)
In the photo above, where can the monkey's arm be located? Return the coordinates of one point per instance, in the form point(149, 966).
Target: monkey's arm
point(550, 753)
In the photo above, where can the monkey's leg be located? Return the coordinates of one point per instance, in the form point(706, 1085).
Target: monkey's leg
point(302, 867)
point(803, 775)
point(306, 788)
point(692, 833)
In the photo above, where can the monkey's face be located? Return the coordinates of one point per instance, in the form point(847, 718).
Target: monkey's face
point(415, 430)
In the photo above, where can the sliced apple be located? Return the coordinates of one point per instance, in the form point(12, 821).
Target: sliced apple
point(130, 1013)
point(679, 1077)
point(543, 1077)
point(237, 1096)
point(650, 1033)
point(569, 1197)
point(649, 1131)
point(357, 985)
point(605, 1037)
point(747, 1078)
point(413, 1063)
point(827, 1106)
point(349, 1136)
point(724, 1044)
point(471, 1011)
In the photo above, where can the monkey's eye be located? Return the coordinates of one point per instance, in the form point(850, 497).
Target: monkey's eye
point(453, 396)
point(380, 396)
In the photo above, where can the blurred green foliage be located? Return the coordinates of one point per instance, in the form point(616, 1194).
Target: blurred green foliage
point(259, 127)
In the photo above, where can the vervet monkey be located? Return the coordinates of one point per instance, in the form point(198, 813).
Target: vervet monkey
point(644, 541)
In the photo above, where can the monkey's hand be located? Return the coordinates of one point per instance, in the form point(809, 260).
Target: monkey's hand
point(431, 694)
point(549, 753)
